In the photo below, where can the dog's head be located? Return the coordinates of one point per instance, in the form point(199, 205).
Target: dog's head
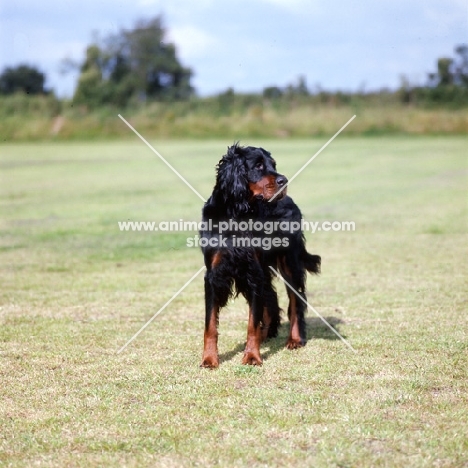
point(246, 174)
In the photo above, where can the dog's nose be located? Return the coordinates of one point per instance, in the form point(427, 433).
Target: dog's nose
point(281, 180)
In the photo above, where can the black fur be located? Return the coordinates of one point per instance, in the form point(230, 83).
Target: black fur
point(246, 180)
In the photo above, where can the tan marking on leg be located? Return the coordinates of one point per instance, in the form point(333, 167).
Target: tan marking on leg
point(254, 339)
point(210, 349)
point(294, 339)
point(266, 323)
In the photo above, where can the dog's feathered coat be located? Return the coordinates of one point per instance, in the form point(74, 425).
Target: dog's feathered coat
point(246, 180)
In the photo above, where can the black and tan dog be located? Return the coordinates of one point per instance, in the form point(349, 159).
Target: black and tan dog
point(239, 251)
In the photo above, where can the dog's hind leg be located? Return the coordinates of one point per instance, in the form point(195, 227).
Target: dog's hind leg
point(297, 329)
point(295, 277)
point(254, 339)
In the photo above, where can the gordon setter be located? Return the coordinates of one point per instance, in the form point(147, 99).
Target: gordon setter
point(243, 236)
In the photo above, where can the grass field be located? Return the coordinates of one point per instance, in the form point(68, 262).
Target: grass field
point(74, 289)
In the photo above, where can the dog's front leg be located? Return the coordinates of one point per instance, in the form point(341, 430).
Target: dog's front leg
point(254, 333)
point(210, 348)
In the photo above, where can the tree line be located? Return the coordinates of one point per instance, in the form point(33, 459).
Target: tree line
point(140, 64)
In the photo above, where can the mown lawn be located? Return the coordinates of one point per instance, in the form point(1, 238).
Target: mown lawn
point(74, 289)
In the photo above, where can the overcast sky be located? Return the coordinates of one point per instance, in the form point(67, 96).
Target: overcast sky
point(249, 44)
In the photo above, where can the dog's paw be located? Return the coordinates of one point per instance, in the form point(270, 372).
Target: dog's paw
point(252, 359)
point(210, 361)
point(294, 343)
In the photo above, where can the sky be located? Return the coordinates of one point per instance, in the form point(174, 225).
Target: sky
point(249, 44)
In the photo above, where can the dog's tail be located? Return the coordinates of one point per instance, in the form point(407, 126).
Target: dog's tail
point(311, 262)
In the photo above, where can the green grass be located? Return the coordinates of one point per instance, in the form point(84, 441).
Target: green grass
point(74, 289)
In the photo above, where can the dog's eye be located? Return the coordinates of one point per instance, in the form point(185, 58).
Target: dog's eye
point(259, 165)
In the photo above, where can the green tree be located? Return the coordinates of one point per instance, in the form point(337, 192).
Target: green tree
point(272, 92)
point(153, 61)
point(22, 78)
point(444, 75)
point(461, 65)
point(138, 62)
point(452, 71)
point(447, 86)
point(90, 89)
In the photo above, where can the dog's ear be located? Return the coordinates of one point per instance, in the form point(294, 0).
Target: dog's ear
point(231, 182)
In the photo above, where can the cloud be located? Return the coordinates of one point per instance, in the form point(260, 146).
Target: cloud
point(192, 42)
